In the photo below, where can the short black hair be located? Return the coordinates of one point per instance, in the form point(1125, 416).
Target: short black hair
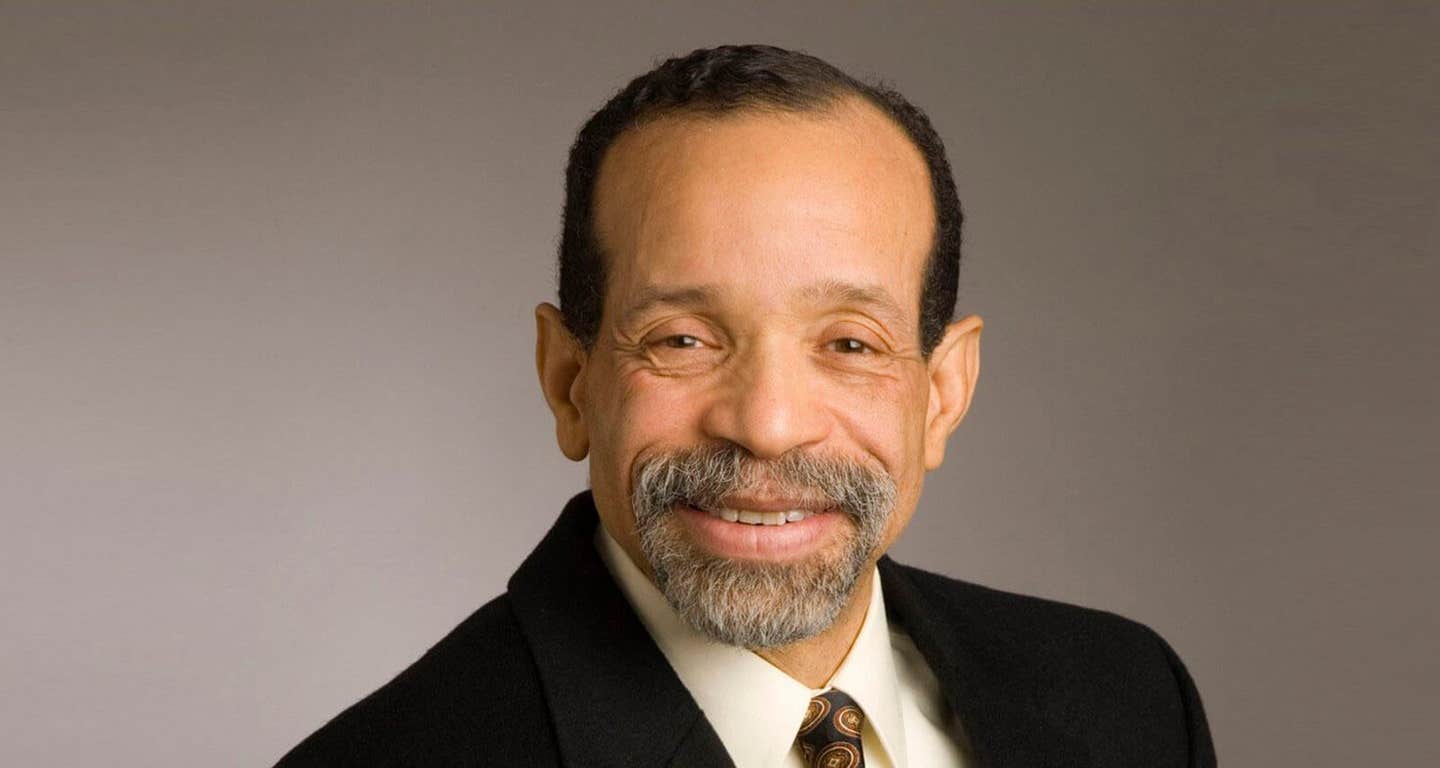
point(735, 78)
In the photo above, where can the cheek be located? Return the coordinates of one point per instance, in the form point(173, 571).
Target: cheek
point(643, 412)
point(886, 418)
point(630, 414)
point(887, 422)
point(657, 404)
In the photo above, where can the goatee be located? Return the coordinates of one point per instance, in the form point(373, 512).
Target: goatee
point(757, 604)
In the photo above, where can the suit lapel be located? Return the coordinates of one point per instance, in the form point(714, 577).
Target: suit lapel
point(996, 698)
point(614, 700)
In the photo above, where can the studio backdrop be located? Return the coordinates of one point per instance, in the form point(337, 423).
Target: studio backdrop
point(269, 420)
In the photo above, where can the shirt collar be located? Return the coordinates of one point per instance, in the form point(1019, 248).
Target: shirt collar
point(755, 708)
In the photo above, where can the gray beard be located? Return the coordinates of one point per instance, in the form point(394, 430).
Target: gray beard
point(749, 604)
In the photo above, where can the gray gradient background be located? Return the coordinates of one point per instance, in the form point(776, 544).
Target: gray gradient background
point(268, 419)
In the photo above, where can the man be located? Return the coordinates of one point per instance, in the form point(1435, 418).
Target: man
point(755, 350)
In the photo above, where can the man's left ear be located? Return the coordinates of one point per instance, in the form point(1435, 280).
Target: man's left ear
point(954, 368)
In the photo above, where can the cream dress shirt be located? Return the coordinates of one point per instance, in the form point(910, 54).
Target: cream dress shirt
point(756, 709)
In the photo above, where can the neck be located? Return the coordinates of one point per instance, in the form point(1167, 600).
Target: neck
point(813, 661)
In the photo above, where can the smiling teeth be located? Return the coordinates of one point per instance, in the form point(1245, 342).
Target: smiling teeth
point(750, 517)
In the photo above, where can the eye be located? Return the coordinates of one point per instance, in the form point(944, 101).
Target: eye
point(850, 346)
point(682, 341)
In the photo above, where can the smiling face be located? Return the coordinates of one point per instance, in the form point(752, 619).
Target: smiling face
point(762, 301)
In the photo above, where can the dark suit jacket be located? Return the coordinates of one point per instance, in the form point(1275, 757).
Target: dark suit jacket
point(560, 671)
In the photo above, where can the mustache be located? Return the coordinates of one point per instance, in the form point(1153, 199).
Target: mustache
point(704, 476)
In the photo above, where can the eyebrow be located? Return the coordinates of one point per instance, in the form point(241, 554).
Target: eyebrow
point(840, 292)
point(652, 296)
point(832, 292)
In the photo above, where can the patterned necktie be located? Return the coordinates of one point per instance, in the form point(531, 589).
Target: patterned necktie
point(830, 734)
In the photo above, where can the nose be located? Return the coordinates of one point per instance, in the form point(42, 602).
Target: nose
point(768, 402)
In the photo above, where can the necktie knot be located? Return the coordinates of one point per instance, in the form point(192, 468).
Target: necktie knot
point(830, 733)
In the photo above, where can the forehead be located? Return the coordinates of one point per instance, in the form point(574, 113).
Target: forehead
point(762, 200)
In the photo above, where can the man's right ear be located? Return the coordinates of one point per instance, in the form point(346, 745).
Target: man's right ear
point(560, 361)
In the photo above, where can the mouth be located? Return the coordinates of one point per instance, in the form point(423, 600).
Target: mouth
point(749, 509)
point(755, 530)
point(755, 517)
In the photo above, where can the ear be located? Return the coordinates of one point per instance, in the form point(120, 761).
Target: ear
point(954, 368)
point(560, 362)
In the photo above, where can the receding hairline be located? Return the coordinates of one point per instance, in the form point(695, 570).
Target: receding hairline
point(838, 105)
point(833, 106)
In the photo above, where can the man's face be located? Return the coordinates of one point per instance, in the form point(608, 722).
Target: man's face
point(762, 307)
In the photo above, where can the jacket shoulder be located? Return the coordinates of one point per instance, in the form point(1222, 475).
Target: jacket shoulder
point(472, 699)
point(1109, 680)
point(1038, 624)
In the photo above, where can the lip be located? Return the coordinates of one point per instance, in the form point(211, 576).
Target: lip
point(772, 504)
point(767, 543)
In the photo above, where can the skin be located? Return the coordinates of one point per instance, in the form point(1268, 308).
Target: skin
point(764, 284)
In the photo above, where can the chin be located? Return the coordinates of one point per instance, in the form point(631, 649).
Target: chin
point(754, 601)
